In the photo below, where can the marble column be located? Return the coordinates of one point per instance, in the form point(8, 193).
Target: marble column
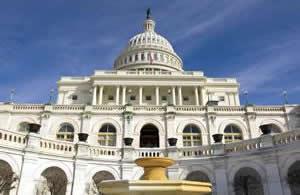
point(123, 95)
point(101, 95)
point(94, 95)
point(179, 96)
point(173, 95)
point(141, 96)
point(157, 95)
point(196, 96)
point(117, 95)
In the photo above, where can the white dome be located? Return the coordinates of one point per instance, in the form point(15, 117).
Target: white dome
point(148, 51)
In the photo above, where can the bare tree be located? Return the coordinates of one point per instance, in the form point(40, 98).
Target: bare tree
point(8, 178)
point(56, 181)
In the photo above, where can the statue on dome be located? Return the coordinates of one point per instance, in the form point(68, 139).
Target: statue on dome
point(148, 13)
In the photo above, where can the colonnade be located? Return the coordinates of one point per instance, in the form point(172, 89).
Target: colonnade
point(174, 91)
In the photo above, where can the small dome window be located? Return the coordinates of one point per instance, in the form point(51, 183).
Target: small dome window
point(136, 58)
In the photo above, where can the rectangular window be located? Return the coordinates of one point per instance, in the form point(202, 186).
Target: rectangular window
point(74, 97)
point(132, 98)
point(221, 98)
point(110, 97)
point(148, 98)
point(185, 98)
point(164, 98)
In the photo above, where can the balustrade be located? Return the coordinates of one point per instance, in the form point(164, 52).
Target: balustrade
point(56, 146)
point(149, 108)
point(16, 140)
point(104, 152)
point(150, 152)
point(13, 139)
point(192, 152)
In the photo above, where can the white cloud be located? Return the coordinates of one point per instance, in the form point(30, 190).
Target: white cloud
point(270, 64)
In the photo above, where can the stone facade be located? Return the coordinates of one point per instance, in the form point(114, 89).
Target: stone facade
point(149, 98)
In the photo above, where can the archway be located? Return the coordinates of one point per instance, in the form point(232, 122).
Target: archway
point(97, 179)
point(247, 181)
point(274, 128)
point(197, 176)
point(293, 178)
point(149, 136)
point(8, 178)
point(54, 181)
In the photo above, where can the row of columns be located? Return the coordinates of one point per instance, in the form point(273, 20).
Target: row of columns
point(176, 97)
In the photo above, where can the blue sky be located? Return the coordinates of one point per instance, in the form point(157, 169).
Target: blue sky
point(254, 40)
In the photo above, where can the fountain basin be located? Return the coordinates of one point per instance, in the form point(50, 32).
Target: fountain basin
point(155, 181)
point(154, 167)
point(149, 187)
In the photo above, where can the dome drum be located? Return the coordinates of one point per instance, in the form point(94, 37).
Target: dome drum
point(148, 49)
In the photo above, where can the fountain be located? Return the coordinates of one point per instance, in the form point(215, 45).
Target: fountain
point(155, 181)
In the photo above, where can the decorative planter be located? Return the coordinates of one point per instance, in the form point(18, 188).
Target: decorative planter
point(128, 141)
point(34, 128)
point(265, 129)
point(83, 137)
point(218, 137)
point(172, 141)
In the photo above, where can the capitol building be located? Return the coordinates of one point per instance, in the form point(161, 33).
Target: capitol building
point(148, 106)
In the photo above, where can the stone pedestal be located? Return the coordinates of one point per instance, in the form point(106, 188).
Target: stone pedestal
point(218, 149)
point(266, 141)
point(33, 141)
point(82, 150)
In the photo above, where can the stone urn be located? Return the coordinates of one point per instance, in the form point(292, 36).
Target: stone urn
point(218, 137)
point(34, 128)
point(172, 141)
point(265, 129)
point(82, 137)
point(128, 141)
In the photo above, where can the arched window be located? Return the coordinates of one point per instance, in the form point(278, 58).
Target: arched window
point(65, 132)
point(107, 135)
point(232, 133)
point(23, 127)
point(191, 136)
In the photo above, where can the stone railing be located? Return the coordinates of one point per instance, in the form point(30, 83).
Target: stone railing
point(193, 152)
point(268, 108)
point(163, 73)
point(12, 139)
point(104, 152)
point(149, 152)
point(190, 108)
point(56, 147)
point(81, 108)
point(243, 146)
point(229, 109)
point(36, 143)
point(28, 107)
point(68, 107)
point(286, 138)
point(148, 108)
point(108, 108)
